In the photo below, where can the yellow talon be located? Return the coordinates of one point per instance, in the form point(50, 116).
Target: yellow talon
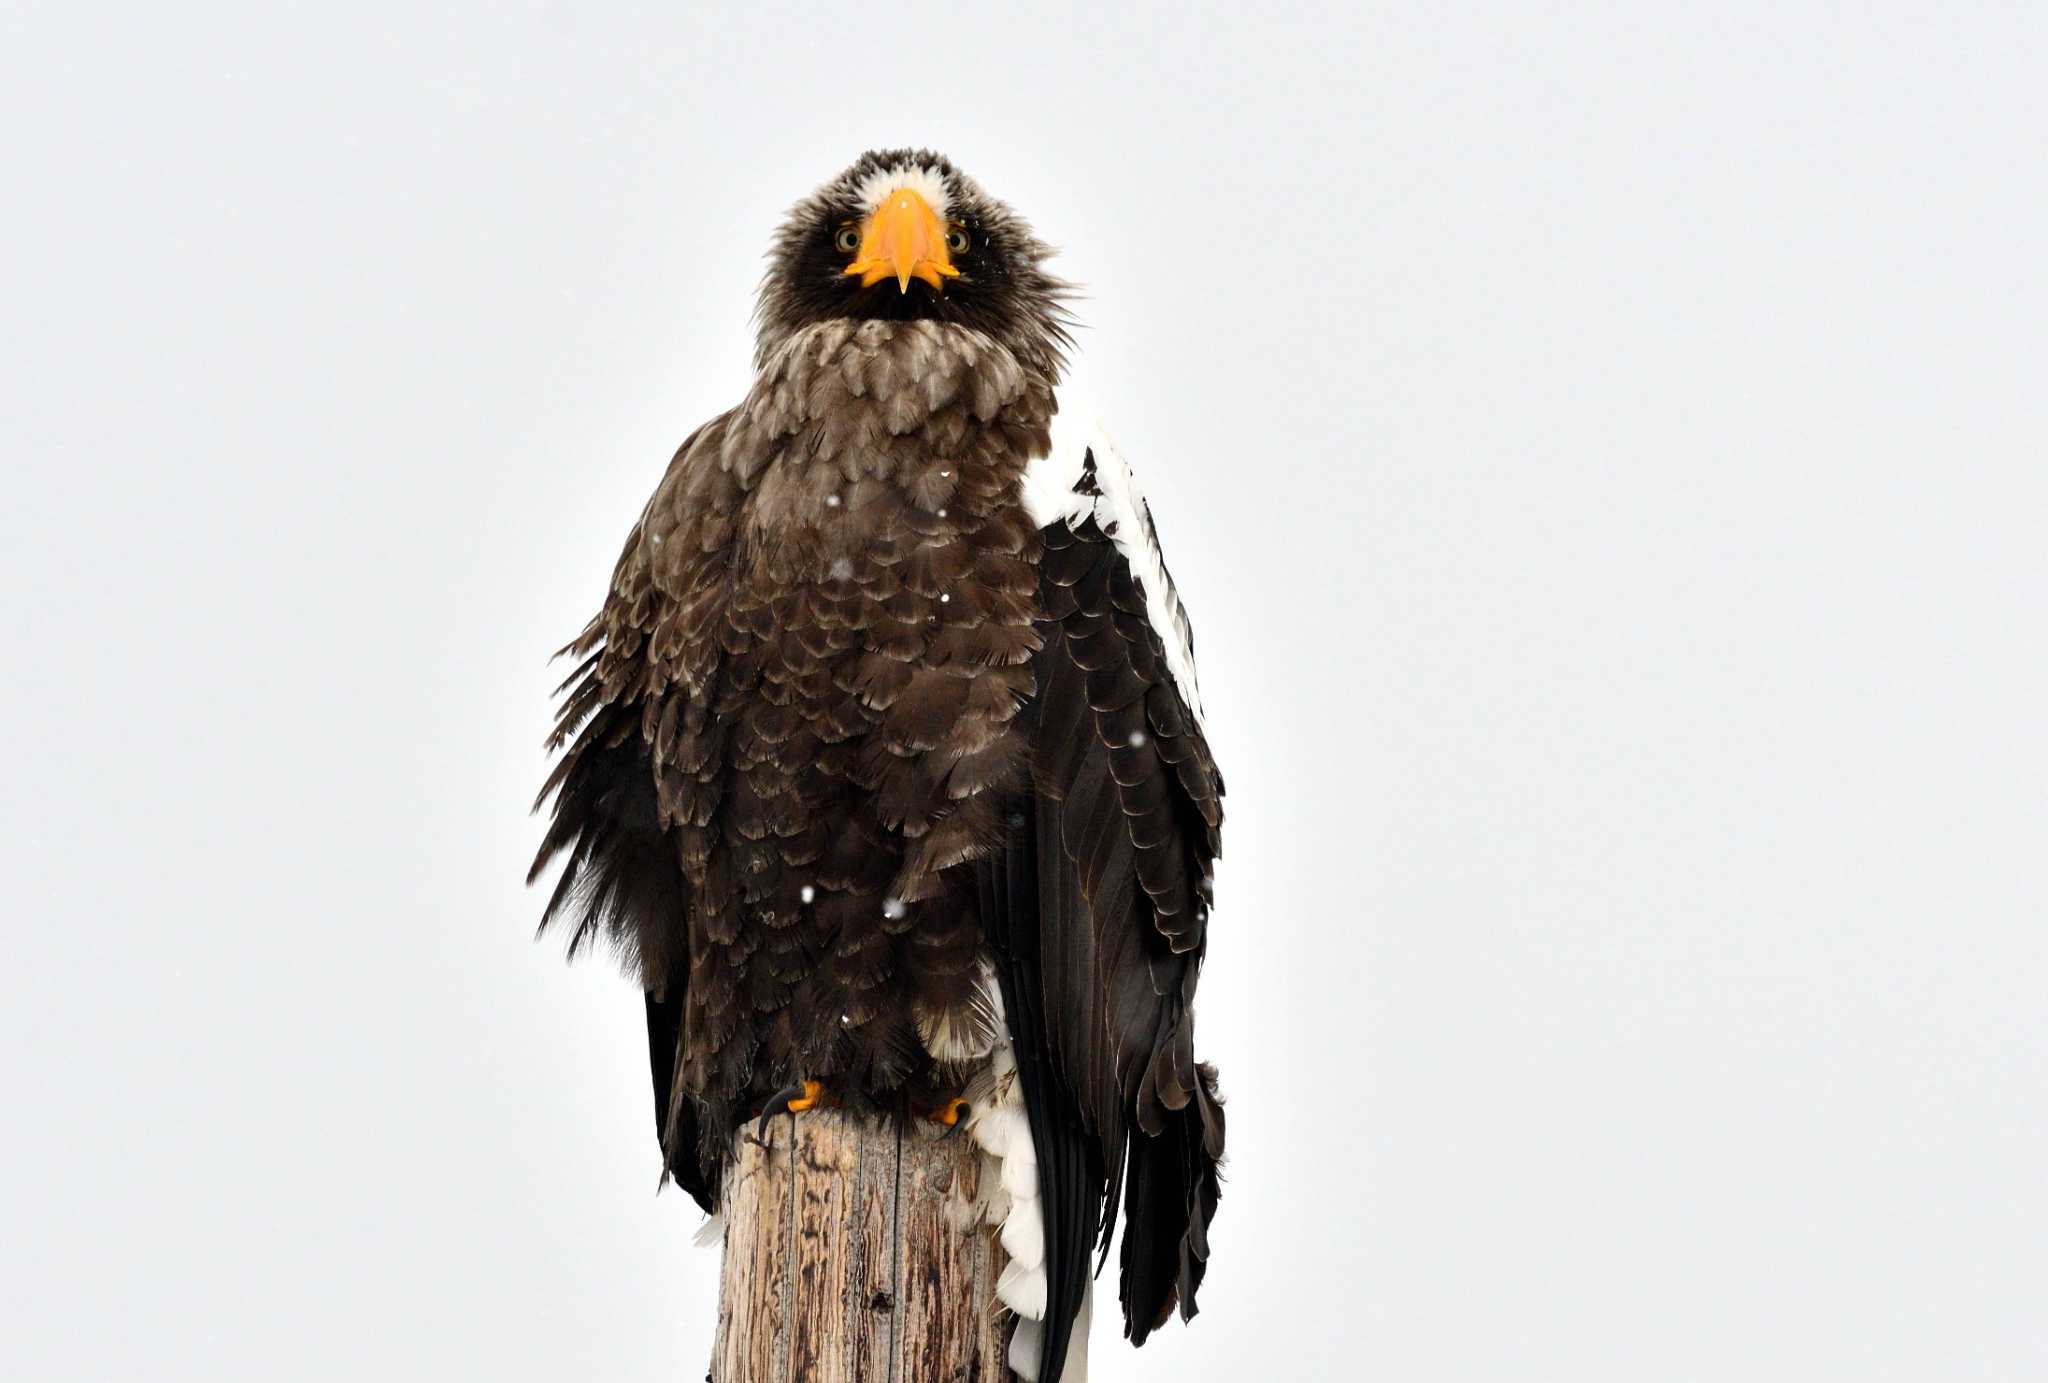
point(950, 1113)
point(790, 1101)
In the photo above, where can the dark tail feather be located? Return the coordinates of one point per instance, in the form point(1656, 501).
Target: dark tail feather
point(1070, 1178)
point(675, 1127)
point(1170, 1192)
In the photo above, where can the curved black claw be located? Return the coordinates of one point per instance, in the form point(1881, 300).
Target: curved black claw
point(952, 1115)
point(778, 1103)
point(799, 1097)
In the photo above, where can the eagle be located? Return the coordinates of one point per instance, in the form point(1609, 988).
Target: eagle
point(882, 766)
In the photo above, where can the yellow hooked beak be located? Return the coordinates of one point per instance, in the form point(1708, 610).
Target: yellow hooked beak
point(903, 237)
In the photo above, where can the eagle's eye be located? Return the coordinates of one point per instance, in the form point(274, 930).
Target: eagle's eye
point(848, 240)
point(956, 240)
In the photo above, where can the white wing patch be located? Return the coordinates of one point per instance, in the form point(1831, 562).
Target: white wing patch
point(1084, 476)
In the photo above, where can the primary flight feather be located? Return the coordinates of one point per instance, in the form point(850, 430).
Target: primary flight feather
point(883, 763)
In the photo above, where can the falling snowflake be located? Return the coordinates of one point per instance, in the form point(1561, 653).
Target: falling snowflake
point(1137, 739)
point(842, 568)
point(832, 501)
point(942, 513)
point(943, 598)
point(807, 893)
point(892, 908)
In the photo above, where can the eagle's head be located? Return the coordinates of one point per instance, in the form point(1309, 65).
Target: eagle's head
point(903, 235)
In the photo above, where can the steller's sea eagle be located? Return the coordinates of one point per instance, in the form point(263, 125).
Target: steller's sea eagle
point(883, 765)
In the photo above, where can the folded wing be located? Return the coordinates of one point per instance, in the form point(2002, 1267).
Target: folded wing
point(1108, 880)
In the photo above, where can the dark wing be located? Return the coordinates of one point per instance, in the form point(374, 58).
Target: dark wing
point(623, 880)
point(1104, 945)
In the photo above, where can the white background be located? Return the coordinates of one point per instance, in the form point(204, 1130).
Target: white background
point(1602, 450)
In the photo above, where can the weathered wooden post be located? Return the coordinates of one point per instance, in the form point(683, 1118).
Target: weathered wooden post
point(854, 1254)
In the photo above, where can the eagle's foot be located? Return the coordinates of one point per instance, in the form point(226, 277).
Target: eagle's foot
point(795, 1100)
point(953, 1114)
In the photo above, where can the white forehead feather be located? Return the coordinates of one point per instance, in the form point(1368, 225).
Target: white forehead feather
point(875, 188)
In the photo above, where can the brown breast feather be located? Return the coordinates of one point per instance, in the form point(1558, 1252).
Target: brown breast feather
point(826, 616)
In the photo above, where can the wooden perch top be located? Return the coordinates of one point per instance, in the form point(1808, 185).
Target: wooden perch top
point(857, 1256)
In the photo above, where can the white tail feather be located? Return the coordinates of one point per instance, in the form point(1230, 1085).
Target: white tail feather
point(1029, 1336)
point(1077, 1343)
point(1020, 1178)
point(1024, 1347)
point(1002, 1130)
point(1022, 1289)
point(1023, 1239)
point(1001, 1127)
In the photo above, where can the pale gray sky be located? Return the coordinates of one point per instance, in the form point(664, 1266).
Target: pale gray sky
point(1603, 453)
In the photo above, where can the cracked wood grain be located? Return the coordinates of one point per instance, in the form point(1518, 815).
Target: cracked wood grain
point(849, 1259)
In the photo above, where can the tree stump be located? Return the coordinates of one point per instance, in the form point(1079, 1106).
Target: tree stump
point(854, 1254)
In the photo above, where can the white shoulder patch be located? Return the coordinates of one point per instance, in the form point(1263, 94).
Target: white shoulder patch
point(1084, 476)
